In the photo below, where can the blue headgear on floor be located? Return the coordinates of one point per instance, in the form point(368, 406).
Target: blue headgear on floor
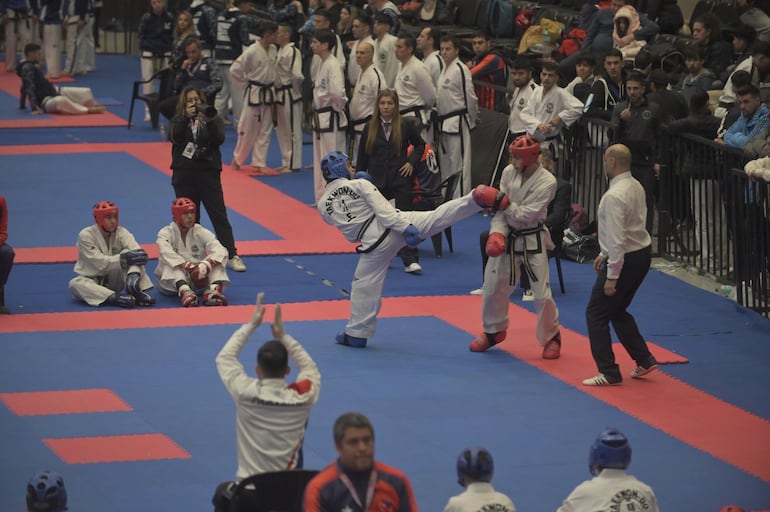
point(610, 450)
point(475, 463)
point(46, 492)
point(335, 166)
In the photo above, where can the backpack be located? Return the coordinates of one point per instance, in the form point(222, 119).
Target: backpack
point(500, 18)
point(578, 247)
point(579, 221)
point(571, 41)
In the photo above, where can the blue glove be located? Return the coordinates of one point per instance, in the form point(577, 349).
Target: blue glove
point(412, 236)
point(132, 283)
point(364, 175)
point(135, 257)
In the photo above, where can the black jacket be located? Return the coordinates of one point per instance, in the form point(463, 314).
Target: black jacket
point(207, 157)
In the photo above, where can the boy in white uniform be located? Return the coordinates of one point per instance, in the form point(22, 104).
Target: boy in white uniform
point(111, 265)
point(362, 214)
point(192, 261)
point(475, 468)
point(288, 100)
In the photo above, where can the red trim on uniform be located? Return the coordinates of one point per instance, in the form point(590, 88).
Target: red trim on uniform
point(302, 387)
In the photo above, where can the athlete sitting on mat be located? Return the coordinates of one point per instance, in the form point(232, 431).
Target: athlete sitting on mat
point(362, 214)
point(192, 261)
point(110, 267)
point(45, 97)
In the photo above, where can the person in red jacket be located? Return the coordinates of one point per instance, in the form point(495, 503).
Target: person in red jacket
point(6, 254)
point(356, 482)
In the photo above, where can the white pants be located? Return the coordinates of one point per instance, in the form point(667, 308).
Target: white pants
point(172, 275)
point(369, 276)
point(254, 129)
point(52, 49)
point(498, 289)
point(454, 155)
point(289, 133)
point(92, 292)
point(16, 28)
point(34, 32)
point(81, 50)
point(228, 92)
point(323, 144)
point(71, 100)
point(150, 66)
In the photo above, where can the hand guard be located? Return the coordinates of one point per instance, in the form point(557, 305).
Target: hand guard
point(135, 257)
point(132, 283)
point(495, 245)
point(189, 266)
point(490, 197)
point(412, 236)
point(364, 175)
point(201, 270)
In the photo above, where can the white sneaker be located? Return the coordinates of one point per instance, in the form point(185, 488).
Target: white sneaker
point(640, 371)
point(601, 380)
point(477, 291)
point(236, 264)
point(147, 117)
point(528, 296)
point(413, 268)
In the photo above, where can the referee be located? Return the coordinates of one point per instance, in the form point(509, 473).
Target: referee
point(621, 267)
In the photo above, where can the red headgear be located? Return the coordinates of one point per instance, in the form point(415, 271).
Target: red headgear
point(525, 148)
point(181, 205)
point(103, 209)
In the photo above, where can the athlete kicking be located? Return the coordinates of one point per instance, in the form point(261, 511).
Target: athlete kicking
point(363, 215)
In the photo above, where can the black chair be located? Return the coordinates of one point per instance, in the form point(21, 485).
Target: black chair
point(166, 79)
point(431, 200)
point(558, 241)
point(279, 491)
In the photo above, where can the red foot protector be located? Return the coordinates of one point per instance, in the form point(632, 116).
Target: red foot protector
point(85, 450)
point(63, 402)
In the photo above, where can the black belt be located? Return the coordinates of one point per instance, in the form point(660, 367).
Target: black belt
point(512, 236)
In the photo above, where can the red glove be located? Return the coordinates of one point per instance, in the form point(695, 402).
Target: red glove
point(189, 266)
point(201, 270)
point(495, 244)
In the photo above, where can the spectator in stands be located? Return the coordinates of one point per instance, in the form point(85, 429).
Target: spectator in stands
point(636, 124)
point(290, 12)
point(609, 88)
point(758, 67)
point(489, 67)
point(643, 63)
point(414, 85)
point(728, 110)
point(671, 104)
point(717, 53)
point(196, 71)
point(362, 32)
point(232, 38)
point(333, 7)
point(743, 38)
point(375, 7)
point(752, 122)
point(7, 254)
point(666, 13)
point(750, 14)
point(184, 31)
point(205, 21)
point(584, 69)
point(758, 169)
point(428, 42)
point(155, 45)
point(345, 26)
point(626, 25)
point(385, 48)
point(699, 77)
point(524, 85)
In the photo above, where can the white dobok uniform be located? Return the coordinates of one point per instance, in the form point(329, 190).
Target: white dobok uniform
point(338, 53)
point(519, 99)
point(354, 70)
point(288, 101)
point(362, 104)
point(480, 496)
point(361, 213)
point(329, 119)
point(457, 109)
point(70, 100)
point(416, 93)
point(523, 221)
point(175, 251)
point(80, 45)
point(541, 108)
point(256, 69)
point(613, 489)
point(98, 268)
point(435, 65)
point(385, 57)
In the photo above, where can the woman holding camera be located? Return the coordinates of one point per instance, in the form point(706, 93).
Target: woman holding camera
point(197, 133)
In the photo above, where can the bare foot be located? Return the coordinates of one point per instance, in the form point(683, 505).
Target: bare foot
point(235, 166)
point(97, 110)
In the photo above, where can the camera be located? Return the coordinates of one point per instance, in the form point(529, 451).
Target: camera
point(207, 110)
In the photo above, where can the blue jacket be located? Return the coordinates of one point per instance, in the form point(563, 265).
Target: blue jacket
point(745, 129)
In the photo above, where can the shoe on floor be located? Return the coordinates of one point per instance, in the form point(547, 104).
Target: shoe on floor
point(601, 380)
point(147, 117)
point(528, 296)
point(413, 268)
point(552, 349)
point(640, 371)
point(236, 264)
point(486, 341)
point(350, 341)
point(478, 291)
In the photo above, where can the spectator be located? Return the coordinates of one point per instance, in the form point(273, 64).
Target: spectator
point(518, 242)
point(626, 25)
point(383, 153)
point(743, 38)
point(489, 67)
point(428, 42)
point(717, 53)
point(752, 122)
point(665, 13)
point(364, 216)
point(475, 468)
point(756, 169)
point(205, 22)
point(196, 134)
point(643, 63)
point(333, 7)
point(184, 32)
point(289, 12)
point(608, 460)
point(621, 267)
point(385, 48)
point(637, 125)
point(345, 25)
point(44, 97)
point(195, 71)
point(111, 265)
point(375, 7)
point(751, 15)
point(524, 86)
point(192, 261)
point(729, 110)
point(580, 87)
point(271, 415)
point(288, 100)
point(7, 254)
point(608, 89)
point(232, 39)
point(155, 45)
point(457, 110)
point(699, 78)
point(363, 101)
point(343, 484)
point(671, 104)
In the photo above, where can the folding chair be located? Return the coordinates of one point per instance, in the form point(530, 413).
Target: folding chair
point(431, 200)
point(558, 240)
point(279, 491)
point(166, 78)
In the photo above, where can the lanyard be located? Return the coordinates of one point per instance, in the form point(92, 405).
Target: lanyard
point(369, 490)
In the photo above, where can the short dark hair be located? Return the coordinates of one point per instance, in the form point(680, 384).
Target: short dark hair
point(693, 52)
point(288, 27)
point(268, 27)
point(350, 420)
point(30, 47)
point(698, 101)
point(746, 33)
point(746, 90)
point(481, 34)
point(364, 18)
point(273, 359)
point(550, 66)
point(643, 60)
point(711, 22)
point(613, 53)
point(636, 76)
point(587, 59)
point(435, 36)
point(324, 13)
point(382, 17)
point(192, 41)
point(521, 63)
point(760, 47)
point(409, 40)
point(740, 78)
point(327, 37)
point(449, 38)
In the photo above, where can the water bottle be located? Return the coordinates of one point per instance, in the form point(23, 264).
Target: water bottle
point(728, 291)
point(163, 134)
point(546, 37)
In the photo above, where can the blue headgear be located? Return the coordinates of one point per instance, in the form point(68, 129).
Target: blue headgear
point(610, 450)
point(334, 166)
point(475, 463)
point(46, 493)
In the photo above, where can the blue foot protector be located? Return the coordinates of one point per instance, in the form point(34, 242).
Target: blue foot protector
point(350, 341)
